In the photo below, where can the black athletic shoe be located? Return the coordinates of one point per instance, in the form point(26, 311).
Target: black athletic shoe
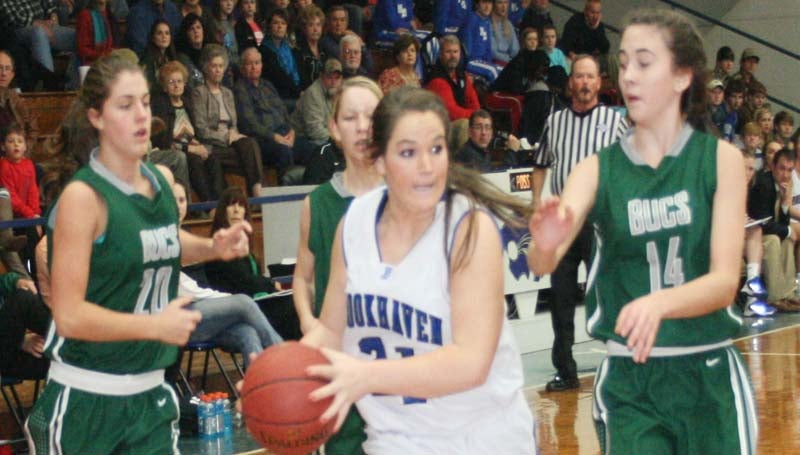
point(559, 384)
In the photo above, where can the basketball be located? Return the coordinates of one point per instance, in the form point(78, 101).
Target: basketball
point(275, 403)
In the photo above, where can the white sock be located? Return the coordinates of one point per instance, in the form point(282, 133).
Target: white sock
point(754, 270)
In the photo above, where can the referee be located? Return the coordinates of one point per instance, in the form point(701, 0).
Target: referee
point(573, 133)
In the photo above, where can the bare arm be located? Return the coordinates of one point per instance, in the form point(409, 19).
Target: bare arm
point(303, 280)
point(328, 332)
point(80, 219)
point(639, 320)
point(476, 291)
point(557, 221)
point(538, 176)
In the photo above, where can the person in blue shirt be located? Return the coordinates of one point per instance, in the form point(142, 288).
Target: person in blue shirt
point(143, 15)
point(393, 18)
point(734, 98)
point(477, 39)
point(450, 16)
point(515, 12)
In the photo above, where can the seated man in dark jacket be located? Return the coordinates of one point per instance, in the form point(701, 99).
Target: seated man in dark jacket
point(475, 153)
point(262, 113)
point(771, 196)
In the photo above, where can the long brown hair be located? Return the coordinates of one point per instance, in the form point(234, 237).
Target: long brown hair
point(686, 45)
point(509, 209)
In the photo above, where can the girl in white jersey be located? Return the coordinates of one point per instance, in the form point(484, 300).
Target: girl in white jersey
point(415, 300)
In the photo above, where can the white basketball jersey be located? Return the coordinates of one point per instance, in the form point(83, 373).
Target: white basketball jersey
point(402, 310)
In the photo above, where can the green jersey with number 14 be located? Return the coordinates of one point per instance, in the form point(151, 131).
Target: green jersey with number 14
point(653, 231)
point(134, 268)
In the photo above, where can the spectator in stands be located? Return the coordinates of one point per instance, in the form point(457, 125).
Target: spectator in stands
point(755, 98)
point(771, 196)
point(12, 107)
point(315, 106)
point(529, 39)
point(352, 49)
point(522, 73)
point(716, 103)
point(556, 55)
point(173, 104)
point(233, 322)
point(223, 28)
point(584, 33)
point(784, 126)
point(142, 16)
point(404, 52)
point(215, 121)
point(516, 9)
point(734, 98)
point(393, 18)
point(505, 45)
point(243, 275)
point(35, 25)
point(189, 44)
point(724, 64)
point(450, 16)
point(336, 28)
point(540, 102)
point(454, 87)
point(754, 287)
point(263, 116)
point(94, 33)
point(158, 52)
point(310, 55)
point(24, 321)
point(477, 36)
point(250, 26)
point(537, 15)
point(18, 175)
point(475, 153)
point(763, 117)
point(280, 67)
point(748, 64)
point(204, 13)
point(751, 139)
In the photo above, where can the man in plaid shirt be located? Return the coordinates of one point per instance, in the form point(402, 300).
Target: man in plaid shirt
point(35, 26)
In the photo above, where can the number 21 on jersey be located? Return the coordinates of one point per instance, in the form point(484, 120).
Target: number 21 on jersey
point(672, 268)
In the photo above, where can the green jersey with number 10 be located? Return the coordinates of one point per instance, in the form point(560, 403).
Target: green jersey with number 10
point(134, 268)
point(653, 231)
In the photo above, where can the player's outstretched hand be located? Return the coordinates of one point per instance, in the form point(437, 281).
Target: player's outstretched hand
point(347, 376)
point(638, 322)
point(232, 243)
point(176, 323)
point(550, 224)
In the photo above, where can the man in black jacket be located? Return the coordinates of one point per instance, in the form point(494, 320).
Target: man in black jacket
point(771, 196)
point(584, 33)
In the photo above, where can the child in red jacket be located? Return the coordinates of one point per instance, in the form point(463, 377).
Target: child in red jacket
point(18, 175)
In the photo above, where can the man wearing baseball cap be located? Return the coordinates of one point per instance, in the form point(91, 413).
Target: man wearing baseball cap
point(724, 65)
point(748, 65)
point(716, 97)
point(310, 118)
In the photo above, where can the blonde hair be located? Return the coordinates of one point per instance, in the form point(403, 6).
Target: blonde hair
point(357, 81)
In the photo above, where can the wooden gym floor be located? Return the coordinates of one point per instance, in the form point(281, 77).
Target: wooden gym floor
point(771, 348)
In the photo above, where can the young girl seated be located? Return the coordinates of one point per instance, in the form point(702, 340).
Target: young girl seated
point(557, 57)
point(18, 175)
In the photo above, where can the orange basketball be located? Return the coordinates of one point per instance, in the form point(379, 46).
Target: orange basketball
point(275, 401)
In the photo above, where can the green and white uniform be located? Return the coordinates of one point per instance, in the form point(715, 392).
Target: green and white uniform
point(110, 397)
point(653, 231)
point(328, 203)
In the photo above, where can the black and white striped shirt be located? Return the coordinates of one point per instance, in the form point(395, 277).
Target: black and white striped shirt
point(572, 136)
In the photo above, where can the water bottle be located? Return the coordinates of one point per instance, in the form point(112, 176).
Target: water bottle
point(207, 422)
point(227, 415)
point(219, 414)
